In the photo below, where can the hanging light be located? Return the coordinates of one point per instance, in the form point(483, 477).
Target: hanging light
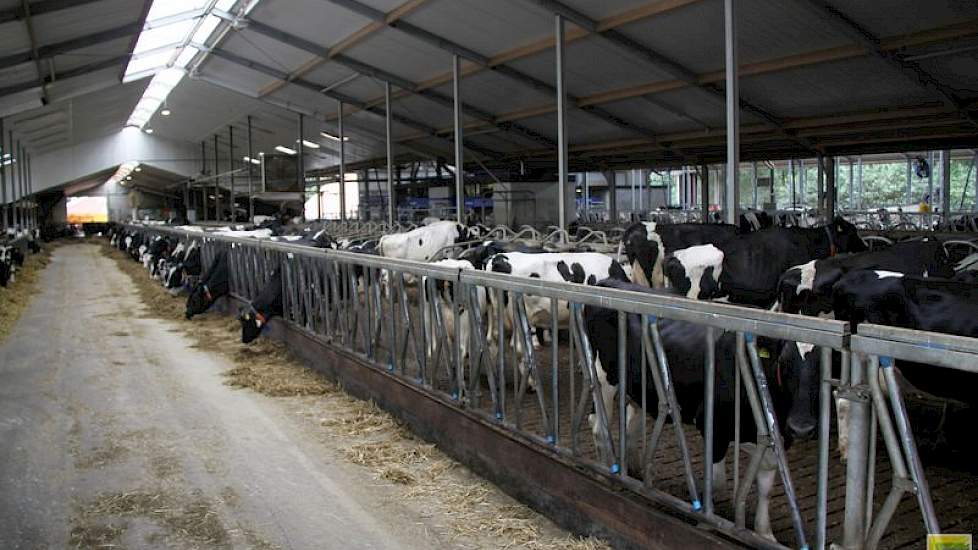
point(149, 130)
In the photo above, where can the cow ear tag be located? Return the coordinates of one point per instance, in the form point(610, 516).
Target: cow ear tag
point(763, 353)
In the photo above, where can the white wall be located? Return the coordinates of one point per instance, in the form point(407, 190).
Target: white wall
point(71, 163)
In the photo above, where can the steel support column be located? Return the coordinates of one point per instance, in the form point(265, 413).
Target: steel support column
point(300, 167)
point(391, 202)
point(20, 183)
point(753, 180)
point(705, 192)
point(730, 198)
point(459, 159)
point(945, 187)
point(3, 178)
point(820, 183)
point(217, 184)
point(342, 169)
point(930, 179)
point(610, 177)
point(203, 189)
point(561, 124)
point(31, 206)
point(251, 176)
point(831, 188)
point(231, 199)
point(909, 199)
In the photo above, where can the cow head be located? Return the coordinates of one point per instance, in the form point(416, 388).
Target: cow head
point(643, 249)
point(251, 324)
point(199, 300)
point(796, 381)
point(845, 237)
point(462, 233)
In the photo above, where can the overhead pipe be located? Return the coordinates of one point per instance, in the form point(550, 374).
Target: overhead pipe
point(561, 126)
point(340, 134)
point(733, 113)
point(391, 203)
point(459, 159)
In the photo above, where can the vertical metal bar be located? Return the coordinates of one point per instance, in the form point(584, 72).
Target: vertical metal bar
point(852, 187)
point(622, 392)
point(705, 192)
point(739, 367)
point(217, 184)
point(391, 199)
point(231, 198)
point(251, 176)
point(709, 379)
point(859, 183)
point(203, 171)
point(612, 177)
point(731, 196)
point(930, 178)
point(561, 124)
point(791, 171)
point(854, 526)
point(554, 366)
point(261, 156)
point(831, 188)
point(459, 159)
point(820, 183)
point(946, 187)
point(824, 404)
point(300, 171)
point(753, 179)
point(909, 199)
point(587, 198)
point(3, 176)
point(342, 174)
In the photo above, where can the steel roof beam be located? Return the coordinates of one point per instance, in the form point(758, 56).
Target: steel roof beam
point(71, 73)
point(51, 50)
point(39, 8)
point(381, 74)
point(282, 75)
point(871, 43)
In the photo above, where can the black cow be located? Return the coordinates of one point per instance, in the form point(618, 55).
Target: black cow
point(479, 255)
point(794, 391)
point(6, 264)
point(646, 245)
point(753, 263)
point(212, 285)
point(266, 305)
point(808, 288)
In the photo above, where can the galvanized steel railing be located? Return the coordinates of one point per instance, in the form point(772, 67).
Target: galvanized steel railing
point(396, 315)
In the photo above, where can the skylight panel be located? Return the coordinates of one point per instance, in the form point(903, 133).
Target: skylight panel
point(167, 8)
point(173, 34)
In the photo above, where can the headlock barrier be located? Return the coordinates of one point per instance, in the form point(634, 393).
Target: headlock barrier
point(464, 341)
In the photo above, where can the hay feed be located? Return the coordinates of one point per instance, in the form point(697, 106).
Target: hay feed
point(16, 296)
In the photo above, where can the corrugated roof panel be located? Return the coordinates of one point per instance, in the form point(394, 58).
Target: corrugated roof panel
point(774, 28)
point(364, 88)
point(497, 93)
point(233, 74)
point(68, 24)
point(960, 72)
point(312, 20)
point(93, 54)
point(329, 73)
point(24, 72)
point(649, 114)
point(605, 8)
point(386, 6)
point(581, 127)
point(14, 38)
point(844, 86)
point(691, 36)
point(400, 54)
point(425, 110)
point(486, 27)
point(889, 17)
point(264, 50)
point(592, 65)
point(699, 105)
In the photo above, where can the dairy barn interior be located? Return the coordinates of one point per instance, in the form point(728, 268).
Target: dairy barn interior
point(469, 274)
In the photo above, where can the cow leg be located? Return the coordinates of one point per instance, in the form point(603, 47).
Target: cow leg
point(765, 482)
point(599, 432)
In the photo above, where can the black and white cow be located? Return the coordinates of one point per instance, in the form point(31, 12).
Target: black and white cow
point(422, 243)
point(263, 308)
point(212, 285)
point(646, 245)
point(6, 265)
point(755, 220)
point(793, 390)
point(808, 288)
point(479, 255)
point(753, 263)
point(572, 267)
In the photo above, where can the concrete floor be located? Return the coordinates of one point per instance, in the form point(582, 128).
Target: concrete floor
point(98, 402)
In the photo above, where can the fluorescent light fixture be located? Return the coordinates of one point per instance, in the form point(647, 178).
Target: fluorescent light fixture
point(251, 160)
point(165, 111)
point(310, 144)
point(163, 49)
point(332, 137)
point(138, 169)
point(149, 130)
point(284, 149)
point(122, 174)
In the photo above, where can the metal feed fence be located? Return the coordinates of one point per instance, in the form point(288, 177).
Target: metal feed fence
point(433, 327)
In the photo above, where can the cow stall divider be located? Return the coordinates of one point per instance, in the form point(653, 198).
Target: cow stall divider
point(467, 337)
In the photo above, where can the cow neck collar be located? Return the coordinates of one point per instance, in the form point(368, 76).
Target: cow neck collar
point(832, 249)
point(259, 318)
